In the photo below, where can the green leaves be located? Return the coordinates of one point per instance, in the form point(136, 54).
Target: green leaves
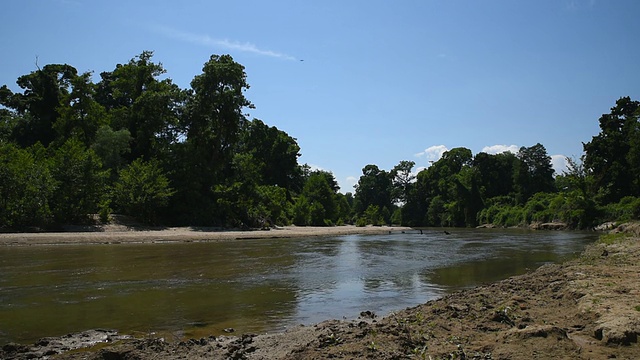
point(142, 191)
point(26, 186)
point(533, 173)
point(80, 183)
point(612, 155)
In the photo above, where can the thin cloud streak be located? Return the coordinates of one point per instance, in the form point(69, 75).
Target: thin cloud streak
point(206, 40)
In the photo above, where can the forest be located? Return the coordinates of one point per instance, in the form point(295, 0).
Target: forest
point(75, 151)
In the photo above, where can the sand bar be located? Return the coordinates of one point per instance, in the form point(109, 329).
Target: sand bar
point(118, 234)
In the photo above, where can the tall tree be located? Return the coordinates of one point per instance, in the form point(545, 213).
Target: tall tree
point(215, 110)
point(439, 196)
point(275, 153)
point(80, 115)
point(495, 173)
point(212, 122)
point(402, 180)
point(321, 198)
point(37, 107)
point(533, 173)
point(139, 101)
point(437, 180)
point(80, 183)
point(612, 155)
point(374, 188)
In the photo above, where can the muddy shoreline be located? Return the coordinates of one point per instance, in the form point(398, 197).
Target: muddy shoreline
point(587, 308)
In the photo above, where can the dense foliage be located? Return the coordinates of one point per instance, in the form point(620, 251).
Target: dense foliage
point(515, 189)
point(136, 144)
point(73, 150)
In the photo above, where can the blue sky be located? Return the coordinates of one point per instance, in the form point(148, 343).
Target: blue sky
point(381, 81)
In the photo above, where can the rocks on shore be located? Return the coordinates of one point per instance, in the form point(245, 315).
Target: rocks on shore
point(549, 226)
point(50, 346)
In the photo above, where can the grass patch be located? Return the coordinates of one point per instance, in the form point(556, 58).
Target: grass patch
point(609, 239)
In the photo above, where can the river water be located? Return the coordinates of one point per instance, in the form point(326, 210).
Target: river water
point(264, 285)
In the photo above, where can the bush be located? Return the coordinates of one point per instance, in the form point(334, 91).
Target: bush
point(26, 187)
point(628, 208)
point(374, 216)
point(396, 217)
point(142, 190)
point(81, 183)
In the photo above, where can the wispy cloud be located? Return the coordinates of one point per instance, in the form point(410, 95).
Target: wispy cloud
point(206, 40)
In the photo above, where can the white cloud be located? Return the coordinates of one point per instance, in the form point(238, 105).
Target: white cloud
point(206, 40)
point(497, 149)
point(559, 163)
point(433, 153)
point(350, 182)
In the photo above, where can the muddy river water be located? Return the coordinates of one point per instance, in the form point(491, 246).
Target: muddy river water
point(196, 289)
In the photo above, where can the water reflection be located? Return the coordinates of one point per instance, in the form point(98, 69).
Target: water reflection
point(262, 285)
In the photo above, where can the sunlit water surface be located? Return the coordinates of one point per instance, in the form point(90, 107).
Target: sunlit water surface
point(265, 285)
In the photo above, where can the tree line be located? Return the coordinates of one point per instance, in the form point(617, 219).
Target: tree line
point(507, 189)
point(74, 151)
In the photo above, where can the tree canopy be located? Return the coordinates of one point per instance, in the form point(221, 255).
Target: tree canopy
point(137, 144)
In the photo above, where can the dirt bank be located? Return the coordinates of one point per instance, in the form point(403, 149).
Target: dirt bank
point(588, 308)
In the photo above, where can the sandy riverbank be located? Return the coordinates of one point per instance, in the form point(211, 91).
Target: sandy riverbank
point(117, 234)
point(588, 308)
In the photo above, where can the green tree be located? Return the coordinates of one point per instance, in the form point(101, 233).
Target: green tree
point(301, 211)
point(495, 173)
point(321, 198)
point(149, 108)
point(212, 122)
point(374, 188)
point(80, 115)
point(343, 202)
point(437, 213)
point(142, 191)
point(438, 178)
point(448, 181)
point(26, 186)
point(612, 155)
point(274, 201)
point(37, 107)
point(402, 180)
point(8, 123)
point(110, 146)
point(80, 183)
point(275, 153)
point(533, 173)
point(373, 215)
point(214, 113)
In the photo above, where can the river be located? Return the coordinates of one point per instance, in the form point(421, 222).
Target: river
point(195, 289)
